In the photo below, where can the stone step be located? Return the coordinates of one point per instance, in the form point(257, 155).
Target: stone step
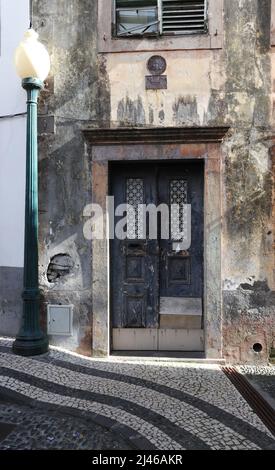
point(163, 339)
point(180, 340)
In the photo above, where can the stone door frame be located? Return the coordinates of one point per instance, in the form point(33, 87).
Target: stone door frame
point(105, 146)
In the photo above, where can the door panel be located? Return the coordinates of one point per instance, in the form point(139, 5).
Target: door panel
point(135, 262)
point(181, 273)
point(178, 270)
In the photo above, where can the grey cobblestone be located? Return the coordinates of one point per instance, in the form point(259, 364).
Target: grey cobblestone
point(35, 429)
point(161, 405)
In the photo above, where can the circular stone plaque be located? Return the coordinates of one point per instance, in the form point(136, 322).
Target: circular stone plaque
point(156, 65)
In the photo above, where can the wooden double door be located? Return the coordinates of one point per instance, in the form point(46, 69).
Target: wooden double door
point(156, 287)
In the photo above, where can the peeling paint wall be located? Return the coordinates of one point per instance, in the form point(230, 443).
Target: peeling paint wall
point(77, 94)
point(231, 86)
point(248, 255)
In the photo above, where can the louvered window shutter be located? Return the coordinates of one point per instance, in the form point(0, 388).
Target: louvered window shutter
point(183, 17)
point(152, 17)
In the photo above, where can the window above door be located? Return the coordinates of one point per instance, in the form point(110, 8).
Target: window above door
point(140, 25)
point(134, 18)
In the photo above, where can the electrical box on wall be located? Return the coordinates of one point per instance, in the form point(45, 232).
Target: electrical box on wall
point(60, 320)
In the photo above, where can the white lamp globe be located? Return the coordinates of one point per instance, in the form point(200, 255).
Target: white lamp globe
point(32, 59)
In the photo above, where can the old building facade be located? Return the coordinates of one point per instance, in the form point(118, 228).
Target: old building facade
point(150, 102)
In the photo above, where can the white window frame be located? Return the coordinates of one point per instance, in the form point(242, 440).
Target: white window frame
point(213, 39)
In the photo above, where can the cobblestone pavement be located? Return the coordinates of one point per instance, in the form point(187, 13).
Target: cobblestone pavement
point(62, 400)
point(263, 378)
point(31, 427)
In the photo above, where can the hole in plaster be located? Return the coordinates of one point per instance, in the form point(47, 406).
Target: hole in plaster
point(61, 265)
point(257, 348)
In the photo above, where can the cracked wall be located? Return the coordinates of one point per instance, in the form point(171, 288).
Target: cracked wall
point(77, 94)
point(232, 86)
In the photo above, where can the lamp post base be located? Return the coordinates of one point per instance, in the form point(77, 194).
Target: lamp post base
point(30, 347)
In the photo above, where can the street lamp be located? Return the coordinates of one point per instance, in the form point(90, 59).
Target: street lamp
point(32, 64)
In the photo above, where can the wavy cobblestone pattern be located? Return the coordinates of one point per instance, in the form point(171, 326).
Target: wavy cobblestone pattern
point(165, 406)
point(45, 427)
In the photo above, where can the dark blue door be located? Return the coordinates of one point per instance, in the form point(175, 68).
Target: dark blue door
point(143, 270)
point(181, 271)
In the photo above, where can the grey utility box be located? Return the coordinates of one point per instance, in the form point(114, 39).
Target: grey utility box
point(60, 320)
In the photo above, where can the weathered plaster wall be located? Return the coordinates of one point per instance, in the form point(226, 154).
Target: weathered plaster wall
point(75, 96)
point(248, 257)
point(192, 76)
point(230, 86)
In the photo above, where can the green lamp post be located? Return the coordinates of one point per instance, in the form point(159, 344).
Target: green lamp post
point(32, 65)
